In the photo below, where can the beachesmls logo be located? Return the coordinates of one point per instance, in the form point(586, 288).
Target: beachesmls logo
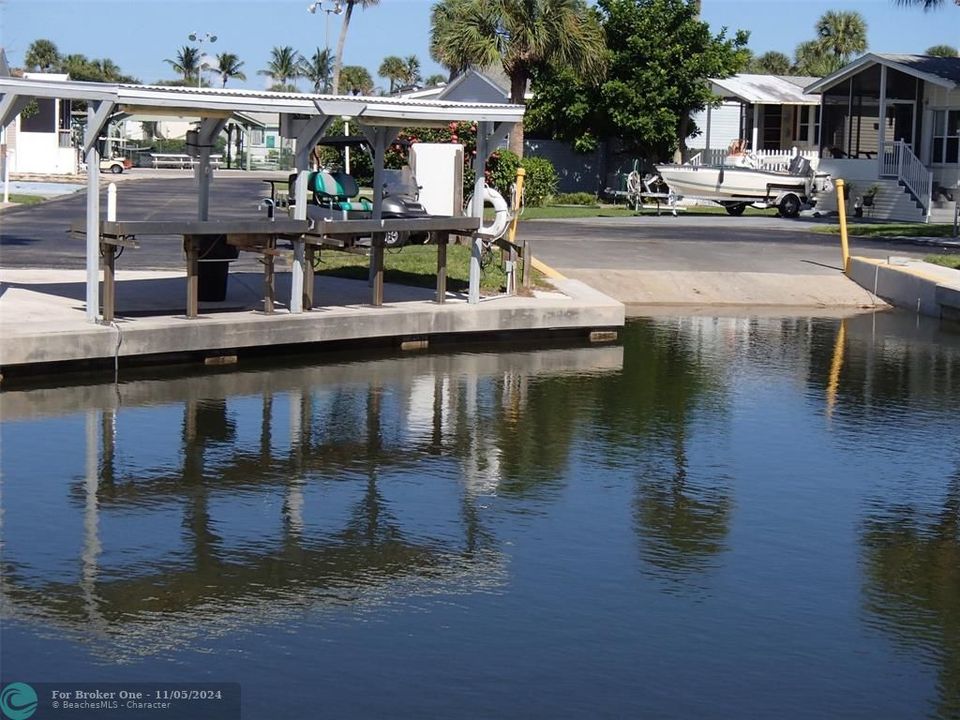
point(18, 701)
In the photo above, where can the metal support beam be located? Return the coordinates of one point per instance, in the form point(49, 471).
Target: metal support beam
point(299, 270)
point(882, 137)
point(11, 106)
point(96, 121)
point(210, 128)
point(315, 129)
point(93, 214)
point(485, 133)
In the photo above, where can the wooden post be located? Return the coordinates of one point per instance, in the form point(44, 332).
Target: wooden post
point(443, 238)
point(190, 245)
point(376, 268)
point(109, 280)
point(269, 292)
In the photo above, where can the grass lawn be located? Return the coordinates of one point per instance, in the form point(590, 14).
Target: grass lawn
point(26, 199)
point(890, 229)
point(417, 265)
point(950, 261)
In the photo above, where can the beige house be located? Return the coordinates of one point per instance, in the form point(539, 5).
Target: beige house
point(893, 121)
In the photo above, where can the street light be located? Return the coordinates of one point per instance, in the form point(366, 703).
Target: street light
point(336, 7)
point(201, 38)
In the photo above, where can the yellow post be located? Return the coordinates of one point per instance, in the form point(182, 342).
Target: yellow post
point(842, 209)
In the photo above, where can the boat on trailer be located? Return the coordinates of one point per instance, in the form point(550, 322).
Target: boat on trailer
point(741, 180)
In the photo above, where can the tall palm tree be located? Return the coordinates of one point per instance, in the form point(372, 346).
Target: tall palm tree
point(42, 55)
point(810, 58)
point(228, 65)
point(521, 35)
point(316, 69)
point(392, 68)
point(338, 63)
point(283, 67)
point(842, 33)
point(926, 4)
point(187, 63)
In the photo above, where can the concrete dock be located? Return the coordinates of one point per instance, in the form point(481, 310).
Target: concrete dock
point(42, 316)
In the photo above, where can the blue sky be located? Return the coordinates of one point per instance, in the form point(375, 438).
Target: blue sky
point(139, 34)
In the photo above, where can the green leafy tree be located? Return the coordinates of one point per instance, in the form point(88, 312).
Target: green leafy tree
point(392, 69)
point(522, 36)
point(770, 63)
point(435, 80)
point(356, 80)
point(283, 67)
point(80, 67)
point(644, 105)
point(342, 41)
point(942, 51)
point(316, 69)
point(42, 55)
point(811, 58)
point(228, 65)
point(187, 64)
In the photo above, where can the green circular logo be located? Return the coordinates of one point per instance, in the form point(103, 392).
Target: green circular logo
point(18, 701)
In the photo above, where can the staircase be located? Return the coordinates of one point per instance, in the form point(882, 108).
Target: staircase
point(893, 201)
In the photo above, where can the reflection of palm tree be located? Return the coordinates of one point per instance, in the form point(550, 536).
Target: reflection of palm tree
point(913, 583)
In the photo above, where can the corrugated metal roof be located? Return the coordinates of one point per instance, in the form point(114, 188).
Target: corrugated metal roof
point(763, 90)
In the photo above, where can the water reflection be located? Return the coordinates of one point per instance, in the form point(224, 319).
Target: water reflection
point(279, 438)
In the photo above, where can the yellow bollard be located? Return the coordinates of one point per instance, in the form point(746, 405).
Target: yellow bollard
point(842, 209)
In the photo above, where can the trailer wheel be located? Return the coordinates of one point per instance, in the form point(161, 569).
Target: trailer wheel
point(735, 209)
point(790, 206)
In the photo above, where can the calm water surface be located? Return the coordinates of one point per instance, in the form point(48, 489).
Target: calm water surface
point(723, 518)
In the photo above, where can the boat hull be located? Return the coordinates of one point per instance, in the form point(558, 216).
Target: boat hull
point(731, 183)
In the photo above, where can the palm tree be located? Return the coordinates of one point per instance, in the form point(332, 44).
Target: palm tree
point(42, 55)
point(338, 63)
point(435, 80)
point(842, 33)
point(187, 63)
point(356, 80)
point(283, 67)
point(522, 35)
point(770, 63)
point(228, 65)
point(317, 69)
point(926, 4)
point(392, 68)
point(411, 71)
point(810, 58)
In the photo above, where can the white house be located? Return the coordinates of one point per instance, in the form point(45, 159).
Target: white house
point(39, 140)
point(893, 121)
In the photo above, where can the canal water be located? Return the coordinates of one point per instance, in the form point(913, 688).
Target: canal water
point(716, 518)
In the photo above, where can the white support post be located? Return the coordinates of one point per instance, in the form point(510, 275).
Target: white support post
point(707, 140)
point(756, 128)
point(299, 270)
point(882, 137)
point(112, 202)
point(209, 130)
point(93, 220)
point(479, 185)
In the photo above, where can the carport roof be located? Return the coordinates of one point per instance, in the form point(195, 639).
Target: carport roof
point(215, 102)
point(765, 89)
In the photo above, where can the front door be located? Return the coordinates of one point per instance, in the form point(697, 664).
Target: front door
point(901, 122)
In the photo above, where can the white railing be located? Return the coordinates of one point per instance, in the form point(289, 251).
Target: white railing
point(769, 159)
point(900, 162)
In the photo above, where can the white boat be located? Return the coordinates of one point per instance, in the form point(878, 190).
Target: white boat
point(741, 181)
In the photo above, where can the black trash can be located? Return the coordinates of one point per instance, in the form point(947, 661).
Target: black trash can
point(213, 267)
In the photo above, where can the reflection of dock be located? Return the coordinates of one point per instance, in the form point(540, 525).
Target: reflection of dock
point(285, 440)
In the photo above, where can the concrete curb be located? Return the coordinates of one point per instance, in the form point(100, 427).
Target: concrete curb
point(914, 285)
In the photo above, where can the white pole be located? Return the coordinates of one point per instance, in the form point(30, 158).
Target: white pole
point(756, 126)
point(93, 223)
point(299, 268)
point(346, 148)
point(882, 139)
point(112, 202)
point(6, 176)
point(479, 185)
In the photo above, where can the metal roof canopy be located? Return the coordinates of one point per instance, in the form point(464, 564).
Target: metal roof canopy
point(944, 72)
point(380, 119)
point(763, 90)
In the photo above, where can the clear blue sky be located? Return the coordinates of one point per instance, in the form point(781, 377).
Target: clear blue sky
point(139, 34)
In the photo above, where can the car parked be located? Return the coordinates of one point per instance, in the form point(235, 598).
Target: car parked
point(116, 165)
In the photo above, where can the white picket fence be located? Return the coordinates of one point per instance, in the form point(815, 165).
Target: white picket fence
point(771, 159)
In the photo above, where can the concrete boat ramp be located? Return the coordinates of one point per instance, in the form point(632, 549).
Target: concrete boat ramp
point(43, 320)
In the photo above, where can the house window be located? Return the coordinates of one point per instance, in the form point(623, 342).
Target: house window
point(256, 137)
point(946, 136)
point(805, 115)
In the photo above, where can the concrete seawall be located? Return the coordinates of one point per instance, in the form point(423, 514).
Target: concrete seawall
point(913, 285)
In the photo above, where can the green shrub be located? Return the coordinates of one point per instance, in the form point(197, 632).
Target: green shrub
point(541, 180)
point(577, 198)
point(502, 171)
